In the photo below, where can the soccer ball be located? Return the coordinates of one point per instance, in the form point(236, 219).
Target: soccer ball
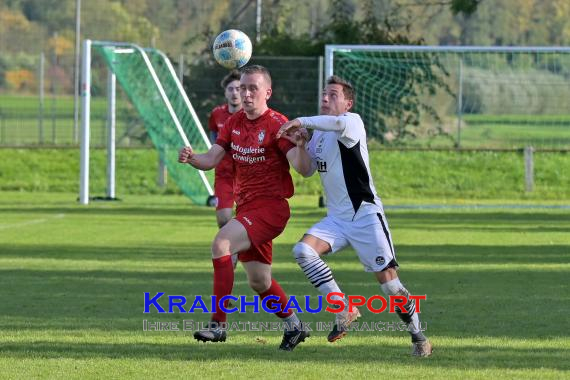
point(232, 49)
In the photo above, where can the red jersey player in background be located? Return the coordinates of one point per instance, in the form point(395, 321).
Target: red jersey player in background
point(262, 186)
point(224, 180)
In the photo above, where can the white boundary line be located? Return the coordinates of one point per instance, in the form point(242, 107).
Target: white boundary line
point(30, 222)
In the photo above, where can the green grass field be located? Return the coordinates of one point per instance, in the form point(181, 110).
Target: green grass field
point(73, 279)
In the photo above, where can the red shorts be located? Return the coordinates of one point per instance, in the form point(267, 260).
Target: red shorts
point(263, 221)
point(224, 191)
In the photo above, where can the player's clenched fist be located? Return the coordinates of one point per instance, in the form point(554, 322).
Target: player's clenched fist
point(185, 155)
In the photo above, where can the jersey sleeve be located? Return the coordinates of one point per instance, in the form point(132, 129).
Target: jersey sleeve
point(348, 126)
point(285, 145)
point(353, 131)
point(224, 136)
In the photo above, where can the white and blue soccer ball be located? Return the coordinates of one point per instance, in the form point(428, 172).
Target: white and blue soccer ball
point(232, 49)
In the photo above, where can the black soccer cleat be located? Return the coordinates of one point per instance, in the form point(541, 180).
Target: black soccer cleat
point(212, 333)
point(336, 334)
point(292, 338)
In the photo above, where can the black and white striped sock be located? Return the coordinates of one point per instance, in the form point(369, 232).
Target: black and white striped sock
point(409, 316)
point(316, 270)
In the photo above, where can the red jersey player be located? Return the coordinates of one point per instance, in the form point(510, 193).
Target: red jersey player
point(262, 186)
point(224, 179)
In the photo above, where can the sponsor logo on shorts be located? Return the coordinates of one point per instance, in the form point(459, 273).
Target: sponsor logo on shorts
point(248, 221)
point(380, 260)
point(235, 132)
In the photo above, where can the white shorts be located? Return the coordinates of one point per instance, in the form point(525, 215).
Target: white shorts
point(369, 236)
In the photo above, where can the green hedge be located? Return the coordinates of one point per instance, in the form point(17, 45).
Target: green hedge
point(398, 174)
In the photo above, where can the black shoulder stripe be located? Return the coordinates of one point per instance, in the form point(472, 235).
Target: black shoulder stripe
point(355, 175)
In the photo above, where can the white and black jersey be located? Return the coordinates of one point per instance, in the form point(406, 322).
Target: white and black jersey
point(340, 154)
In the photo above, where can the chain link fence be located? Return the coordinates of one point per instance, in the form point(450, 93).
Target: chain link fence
point(37, 105)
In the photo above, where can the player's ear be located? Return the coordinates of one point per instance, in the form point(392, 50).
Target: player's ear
point(349, 104)
point(268, 93)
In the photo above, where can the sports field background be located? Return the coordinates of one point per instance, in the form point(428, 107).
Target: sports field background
point(20, 126)
point(435, 177)
point(73, 279)
point(492, 259)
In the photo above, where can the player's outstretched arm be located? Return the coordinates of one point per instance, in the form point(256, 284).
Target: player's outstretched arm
point(205, 161)
point(326, 123)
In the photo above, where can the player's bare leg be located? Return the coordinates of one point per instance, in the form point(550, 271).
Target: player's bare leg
point(391, 286)
point(261, 281)
point(308, 254)
point(231, 238)
point(223, 216)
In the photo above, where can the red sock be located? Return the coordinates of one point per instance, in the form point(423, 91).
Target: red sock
point(276, 290)
point(223, 283)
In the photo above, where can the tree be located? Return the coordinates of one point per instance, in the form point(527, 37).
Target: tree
point(20, 80)
point(60, 45)
point(467, 7)
point(56, 15)
point(420, 77)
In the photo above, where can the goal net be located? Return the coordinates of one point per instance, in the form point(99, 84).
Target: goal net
point(469, 97)
point(150, 82)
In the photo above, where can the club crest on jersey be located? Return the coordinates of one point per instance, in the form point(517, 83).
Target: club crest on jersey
point(260, 137)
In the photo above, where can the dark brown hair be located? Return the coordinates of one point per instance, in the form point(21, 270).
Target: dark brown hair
point(232, 76)
point(347, 88)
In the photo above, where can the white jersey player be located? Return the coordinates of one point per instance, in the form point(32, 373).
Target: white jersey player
point(355, 215)
point(342, 162)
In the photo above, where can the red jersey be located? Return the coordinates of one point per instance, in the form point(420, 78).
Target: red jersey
point(216, 122)
point(260, 162)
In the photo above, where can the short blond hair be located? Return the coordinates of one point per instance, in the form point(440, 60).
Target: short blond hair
point(257, 69)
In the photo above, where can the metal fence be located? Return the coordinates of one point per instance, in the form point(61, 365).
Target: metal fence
point(37, 107)
point(40, 112)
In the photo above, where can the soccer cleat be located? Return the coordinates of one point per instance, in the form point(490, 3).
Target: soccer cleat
point(212, 333)
point(292, 338)
point(343, 321)
point(422, 348)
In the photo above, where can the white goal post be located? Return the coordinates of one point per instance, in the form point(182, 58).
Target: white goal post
point(173, 114)
point(517, 86)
